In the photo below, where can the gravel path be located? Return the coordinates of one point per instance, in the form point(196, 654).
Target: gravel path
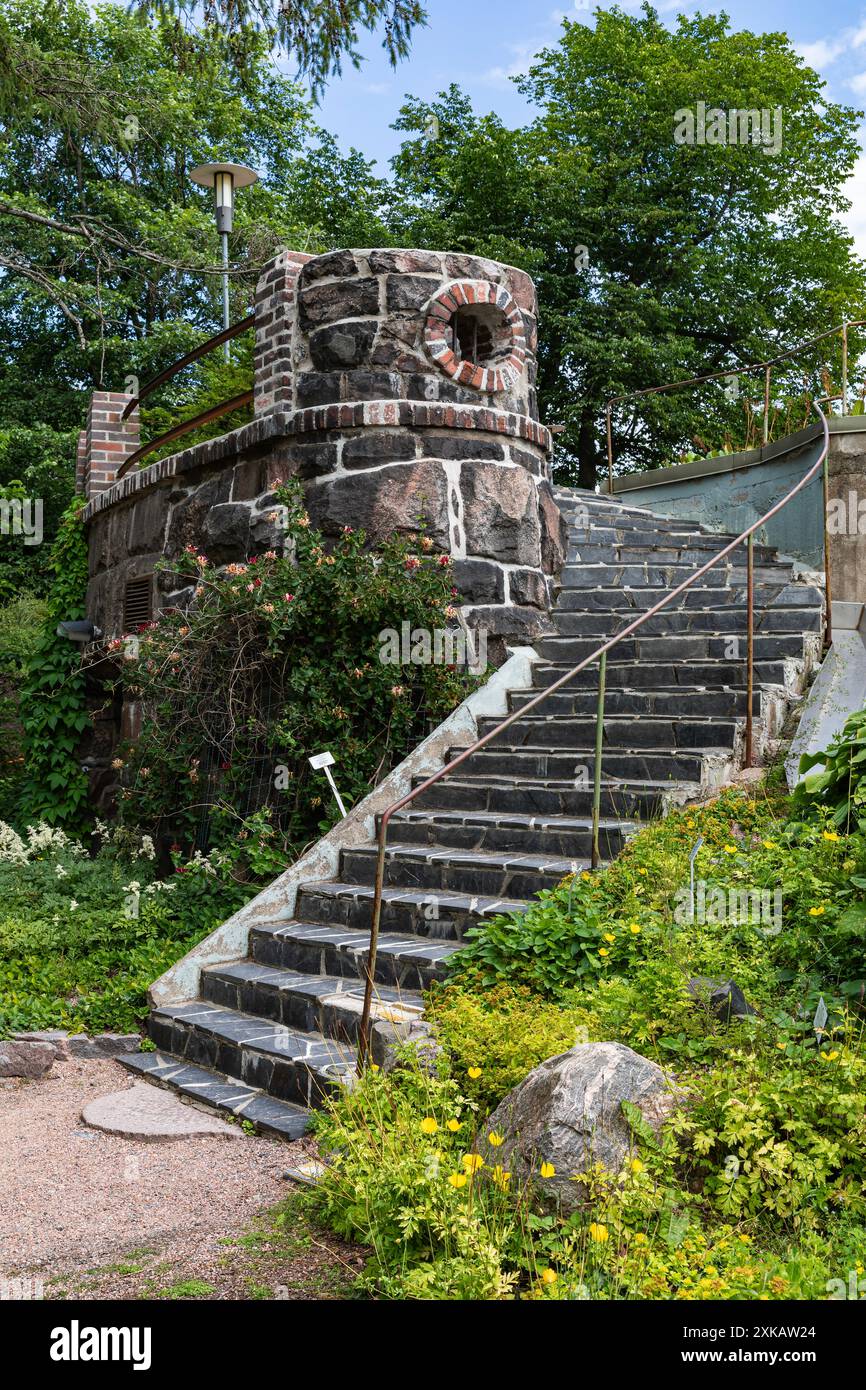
point(72, 1198)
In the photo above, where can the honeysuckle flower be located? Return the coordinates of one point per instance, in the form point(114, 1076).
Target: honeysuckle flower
point(117, 764)
point(495, 1138)
point(549, 1276)
point(428, 1125)
point(474, 1072)
point(547, 1170)
point(598, 1232)
point(472, 1162)
point(288, 598)
point(303, 520)
point(443, 561)
point(412, 562)
point(426, 543)
point(457, 1179)
point(397, 691)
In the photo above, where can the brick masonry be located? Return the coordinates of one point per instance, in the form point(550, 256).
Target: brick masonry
point(365, 391)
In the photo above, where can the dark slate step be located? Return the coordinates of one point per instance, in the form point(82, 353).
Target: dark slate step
point(726, 620)
point(314, 1003)
point(538, 730)
point(298, 1067)
point(409, 963)
point(407, 912)
point(578, 764)
point(679, 648)
point(655, 575)
point(633, 601)
point(605, 547)
point(461, 792)
point(209, 1088)
point(688, 676)
point(509, 875)
point(568, 837)
point(678, 703)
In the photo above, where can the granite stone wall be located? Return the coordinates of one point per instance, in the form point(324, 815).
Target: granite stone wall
point(399, 387)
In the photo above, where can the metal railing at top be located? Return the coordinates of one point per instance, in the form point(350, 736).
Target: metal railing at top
point(204, 418)
point(600, 655)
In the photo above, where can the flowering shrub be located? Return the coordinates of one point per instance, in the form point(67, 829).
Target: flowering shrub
point(85, 930)
point(275, 660)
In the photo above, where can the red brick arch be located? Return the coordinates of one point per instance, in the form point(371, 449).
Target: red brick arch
point(440, 312)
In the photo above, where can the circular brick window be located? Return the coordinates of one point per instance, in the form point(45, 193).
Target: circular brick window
point(474, 333)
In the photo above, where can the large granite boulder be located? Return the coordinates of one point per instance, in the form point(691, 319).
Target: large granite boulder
point(568, 1113)
point(30, 1059)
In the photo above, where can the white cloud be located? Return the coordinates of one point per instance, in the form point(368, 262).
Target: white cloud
point(858, 83)
point(377, 89)
point(820, 54)
point(855, 219)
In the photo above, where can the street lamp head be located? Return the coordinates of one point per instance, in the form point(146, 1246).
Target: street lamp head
point(223, 179)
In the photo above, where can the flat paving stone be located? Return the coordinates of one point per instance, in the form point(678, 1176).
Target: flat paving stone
point(146, 1112)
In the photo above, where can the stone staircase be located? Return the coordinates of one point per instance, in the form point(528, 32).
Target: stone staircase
point(271, 1033)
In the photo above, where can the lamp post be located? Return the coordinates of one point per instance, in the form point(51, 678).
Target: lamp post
point(224, 179)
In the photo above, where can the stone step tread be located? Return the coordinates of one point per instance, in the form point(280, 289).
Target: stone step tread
point(511, 819)
point(355, 939)
point(475, 858)
point(621, 784)
point(388, 1000)
point(261, 1035)
point(448, 900)
point(202, 1086)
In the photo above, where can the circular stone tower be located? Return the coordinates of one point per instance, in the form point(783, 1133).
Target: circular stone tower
point(410, 402)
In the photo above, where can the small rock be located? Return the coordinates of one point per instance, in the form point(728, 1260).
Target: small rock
point(30, 1059)
point(724, 997)
point(103, 1044)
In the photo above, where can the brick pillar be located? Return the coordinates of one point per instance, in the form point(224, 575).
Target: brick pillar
point(109, 440)
point(81, 462)
point(275, 312)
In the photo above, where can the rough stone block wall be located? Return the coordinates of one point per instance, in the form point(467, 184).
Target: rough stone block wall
point(399, 387)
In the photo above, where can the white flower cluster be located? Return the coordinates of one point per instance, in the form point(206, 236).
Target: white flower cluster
point(40, 838)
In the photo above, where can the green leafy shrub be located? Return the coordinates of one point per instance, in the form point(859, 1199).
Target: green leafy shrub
point(278, 659)
point(53, 702)
point(84, 933)
point(21, 624)
point(840, 787)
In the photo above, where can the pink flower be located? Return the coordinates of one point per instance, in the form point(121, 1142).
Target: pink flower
point(412, 562)
point(288, 597)
point(444, 560)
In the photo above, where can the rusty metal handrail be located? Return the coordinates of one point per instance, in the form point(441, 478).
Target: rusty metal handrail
point(599, 655)
point(224, 336)
point(213, 413)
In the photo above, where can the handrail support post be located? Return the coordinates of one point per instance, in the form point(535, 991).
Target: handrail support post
point(596, 772)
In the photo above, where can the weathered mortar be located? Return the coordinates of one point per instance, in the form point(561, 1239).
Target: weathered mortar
point(362, 393)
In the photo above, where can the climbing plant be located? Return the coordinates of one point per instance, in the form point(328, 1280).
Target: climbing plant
point(53, 705)
point(277, 659)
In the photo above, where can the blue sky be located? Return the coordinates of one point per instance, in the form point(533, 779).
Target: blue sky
point(480, 43)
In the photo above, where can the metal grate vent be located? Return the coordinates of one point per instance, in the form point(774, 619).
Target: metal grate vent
point(137, 603)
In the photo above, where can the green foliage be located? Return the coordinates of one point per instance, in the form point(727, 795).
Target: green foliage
point(21, 624)
point(278, 659)
point(501, 1032)
point(83, 935)
point(53, 706)
point(839, 789)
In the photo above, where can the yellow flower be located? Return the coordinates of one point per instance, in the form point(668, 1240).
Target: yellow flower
point(635, 928)
point(495, 1138)
point(830, 835)
point(690, 825)
point(453, 1125)
point(769, 844)
point(643, 872)
point(474, 1072)
point(828, 1056)
point(609, 936)
point(549, 1276)
point(744, 1240)
point(457, 1179)
point(603, 951)
point(547, 1170)
point(374, 1066)
point(585, 876)
point(636, 1165)
point(730, 849)
point(502, 1179)
point(816, 912)
point(598, 1232)
point(472, 1162)
point(428, 1125)
point(639, 1238)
